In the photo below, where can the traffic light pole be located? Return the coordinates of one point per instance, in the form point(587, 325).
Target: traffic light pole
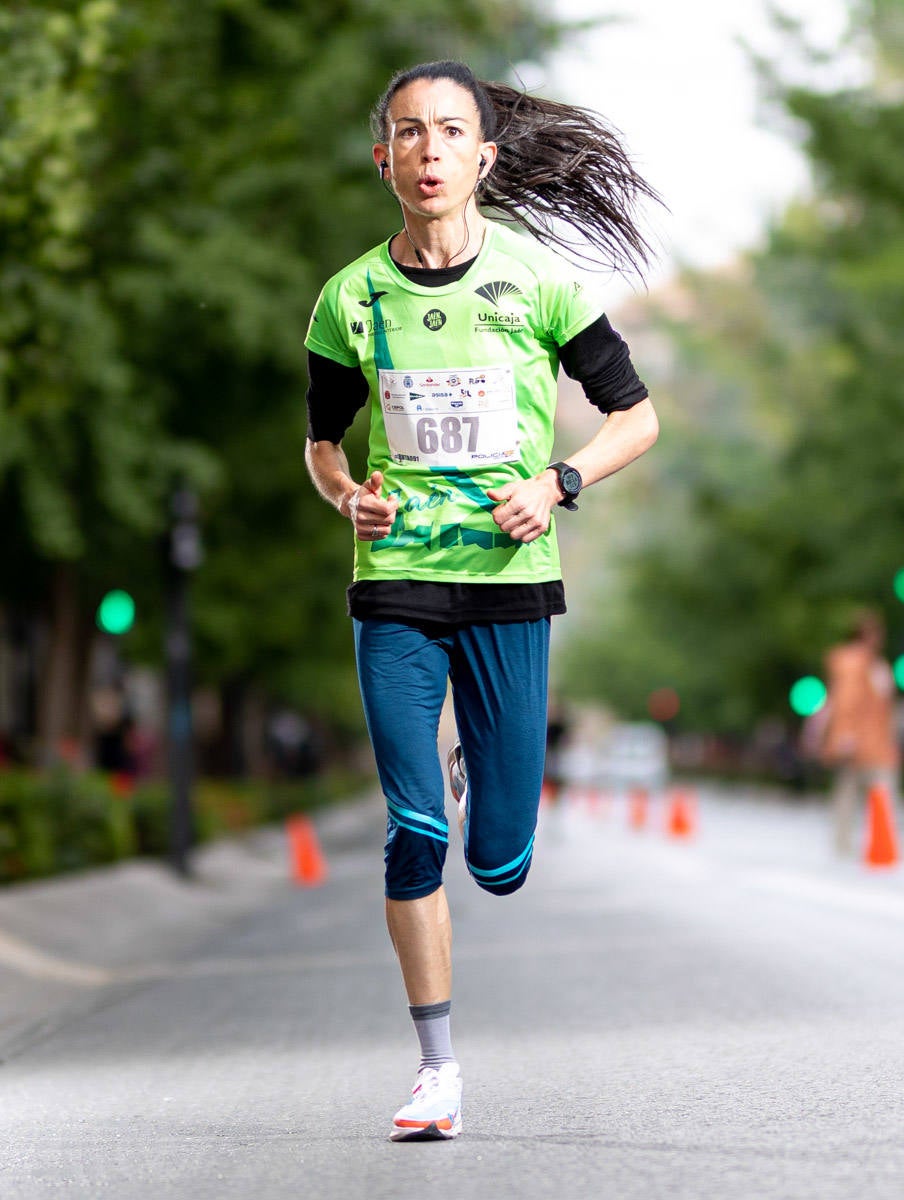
point(183, 556)
point(181, 758)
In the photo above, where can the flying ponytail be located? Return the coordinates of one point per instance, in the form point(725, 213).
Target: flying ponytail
point(558, 165)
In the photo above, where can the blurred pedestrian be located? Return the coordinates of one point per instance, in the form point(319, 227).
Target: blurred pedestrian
point(113, 726)
point(453, 331)
point(858, 739)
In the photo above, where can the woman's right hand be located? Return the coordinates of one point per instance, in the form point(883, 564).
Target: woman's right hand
point(370, 513)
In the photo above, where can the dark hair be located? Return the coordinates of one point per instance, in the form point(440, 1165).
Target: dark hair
point(557, 165)
point(456, 72)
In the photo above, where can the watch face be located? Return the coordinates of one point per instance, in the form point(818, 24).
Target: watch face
point(571, 481)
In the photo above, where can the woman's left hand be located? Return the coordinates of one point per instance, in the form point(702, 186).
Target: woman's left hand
point(524, 506)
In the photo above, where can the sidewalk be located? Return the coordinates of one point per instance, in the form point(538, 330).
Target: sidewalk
point(65, 942)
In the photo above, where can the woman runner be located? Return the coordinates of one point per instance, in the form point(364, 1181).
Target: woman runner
point(453, 332)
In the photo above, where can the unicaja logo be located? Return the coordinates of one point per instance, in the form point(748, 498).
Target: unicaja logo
point(498, 292)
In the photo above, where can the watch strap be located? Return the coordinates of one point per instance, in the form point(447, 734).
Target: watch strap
point(568, 500)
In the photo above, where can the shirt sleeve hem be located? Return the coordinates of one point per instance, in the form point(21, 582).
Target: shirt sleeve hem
point(350, 360)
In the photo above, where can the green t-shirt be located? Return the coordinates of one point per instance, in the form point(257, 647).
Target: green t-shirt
point(463, 395)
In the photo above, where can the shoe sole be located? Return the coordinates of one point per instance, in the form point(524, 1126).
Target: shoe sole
point(425, 1133)
point(453, 767)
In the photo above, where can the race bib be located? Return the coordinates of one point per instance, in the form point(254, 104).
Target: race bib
point(451, 419)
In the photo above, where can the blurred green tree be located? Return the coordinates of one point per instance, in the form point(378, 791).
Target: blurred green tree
point(81, 465)
point(780, 458)
point(176, 182)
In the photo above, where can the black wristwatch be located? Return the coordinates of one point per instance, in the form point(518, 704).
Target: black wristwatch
point(570, 482)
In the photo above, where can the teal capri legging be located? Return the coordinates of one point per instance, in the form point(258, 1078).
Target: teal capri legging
point(499, 676)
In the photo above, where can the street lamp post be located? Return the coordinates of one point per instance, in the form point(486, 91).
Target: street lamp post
point(183, 555)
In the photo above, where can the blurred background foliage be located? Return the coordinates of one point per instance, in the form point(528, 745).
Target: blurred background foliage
point(178, 179)
point(773, 503)
point(60, 820)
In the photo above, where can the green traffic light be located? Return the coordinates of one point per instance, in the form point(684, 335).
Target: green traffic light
point(807, 696)
point(898, 668)
point(116, 612)
point(899, 584)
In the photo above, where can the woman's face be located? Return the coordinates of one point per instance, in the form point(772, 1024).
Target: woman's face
point(434, 147)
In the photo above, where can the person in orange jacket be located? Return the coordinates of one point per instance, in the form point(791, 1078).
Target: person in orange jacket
point(859, 739)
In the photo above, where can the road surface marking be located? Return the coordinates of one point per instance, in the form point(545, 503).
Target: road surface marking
point(27, 960)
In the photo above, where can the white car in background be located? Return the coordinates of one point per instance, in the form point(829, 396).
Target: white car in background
point(623, 756)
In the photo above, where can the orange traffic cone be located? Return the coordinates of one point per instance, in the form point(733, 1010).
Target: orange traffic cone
point(638, 808)
point(596, 801)
point(881, 839)
point(681, 820)
point(305, 856)
point(549, 794)
point(605, 800)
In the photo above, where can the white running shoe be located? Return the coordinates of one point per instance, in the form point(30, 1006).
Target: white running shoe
point(458, 782)
point(435, 1107)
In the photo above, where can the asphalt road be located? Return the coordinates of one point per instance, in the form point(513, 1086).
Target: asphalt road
point(720, 1017)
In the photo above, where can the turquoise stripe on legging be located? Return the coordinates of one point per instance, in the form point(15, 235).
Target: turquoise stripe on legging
point(509, 866)
point(398, 812)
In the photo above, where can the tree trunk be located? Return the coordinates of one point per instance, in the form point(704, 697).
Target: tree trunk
point(62, 699)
